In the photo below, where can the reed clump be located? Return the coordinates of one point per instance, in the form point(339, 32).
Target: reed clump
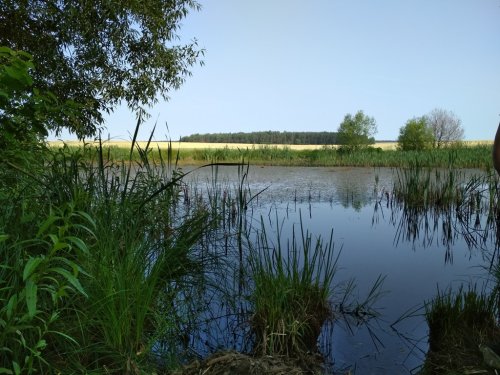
point(290, 293)
point(459, 325)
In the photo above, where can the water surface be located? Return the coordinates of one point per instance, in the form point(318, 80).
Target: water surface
point(375, 239)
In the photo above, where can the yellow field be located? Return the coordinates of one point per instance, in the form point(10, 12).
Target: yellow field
point(201, 145)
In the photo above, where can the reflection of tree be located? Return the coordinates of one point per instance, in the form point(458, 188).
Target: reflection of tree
point(354, 189)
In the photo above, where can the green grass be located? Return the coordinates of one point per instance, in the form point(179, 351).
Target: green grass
point(459, 324)
point(102, 257)
point(291, 293)
point(425, 188)
point(457, 156)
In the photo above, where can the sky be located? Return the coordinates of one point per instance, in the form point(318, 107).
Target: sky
point(302, 65)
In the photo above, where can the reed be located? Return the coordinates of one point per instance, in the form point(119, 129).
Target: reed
point(108, 308)
point(459, 156)
point(459, 324)
point(422, 188)
point(290, 296)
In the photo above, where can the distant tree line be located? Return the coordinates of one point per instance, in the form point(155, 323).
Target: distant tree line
point(437, 129)
point(267, 137)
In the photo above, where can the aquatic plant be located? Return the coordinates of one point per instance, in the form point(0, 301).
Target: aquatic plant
point(459, 323)
point(290, 293)
point(478, 156)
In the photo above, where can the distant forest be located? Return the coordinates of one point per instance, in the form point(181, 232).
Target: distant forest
point(267, 137)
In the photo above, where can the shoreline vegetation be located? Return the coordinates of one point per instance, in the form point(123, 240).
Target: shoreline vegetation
point(113, 267)
point(467, 154)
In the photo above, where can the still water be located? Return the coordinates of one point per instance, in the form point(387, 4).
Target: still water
point(375, 239)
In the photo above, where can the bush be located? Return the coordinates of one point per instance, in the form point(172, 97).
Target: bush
point(415, 135)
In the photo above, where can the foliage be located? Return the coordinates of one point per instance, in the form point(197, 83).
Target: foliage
point(130, 290)
point(24, 109)
point(415, 135)
point(38, 278)
point(143, 263)
point(446, 127)
point(268, 137)
point(98, 54)
point(356, 132)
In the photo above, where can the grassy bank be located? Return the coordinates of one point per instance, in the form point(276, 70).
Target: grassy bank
point(119, 267)
point(467, 155)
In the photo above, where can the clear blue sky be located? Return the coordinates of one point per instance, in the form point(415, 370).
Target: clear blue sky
point(302, 65)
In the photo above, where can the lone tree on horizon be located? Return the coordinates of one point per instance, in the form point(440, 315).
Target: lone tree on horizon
point(356, 131)
point(415, 135)
point(446, 127)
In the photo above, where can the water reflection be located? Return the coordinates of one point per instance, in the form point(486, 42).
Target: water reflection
point(418, 250)
point(349, 187)
point(470, 219)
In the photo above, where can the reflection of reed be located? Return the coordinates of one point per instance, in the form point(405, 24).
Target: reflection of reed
point(432, 207)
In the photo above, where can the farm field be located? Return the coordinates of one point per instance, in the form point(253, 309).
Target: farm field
point(203, 145)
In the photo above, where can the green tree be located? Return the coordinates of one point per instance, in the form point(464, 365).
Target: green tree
point(415, 135)
point(356, 132)
point(101, 53)
point(24, 109)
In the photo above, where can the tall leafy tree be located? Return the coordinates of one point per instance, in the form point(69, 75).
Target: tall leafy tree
point(356, 131)
point(415, 135)
point(99, 53)
point(24, 109)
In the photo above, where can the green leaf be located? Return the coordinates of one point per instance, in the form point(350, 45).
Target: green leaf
point(11, 305)
point(31, 266)
point(6, 50)
point(31, 297)
point(87, 217)
point(46, 225)
point(58, 246)
point(71, 279)
point(17, 368)
point(75, 267)
point(3, 237)
point(82, 246)
point(4, 370)
point(41, 344)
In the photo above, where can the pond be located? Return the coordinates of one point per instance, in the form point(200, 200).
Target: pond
point(416, 256)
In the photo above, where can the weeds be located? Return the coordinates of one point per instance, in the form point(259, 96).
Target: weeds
point(291, 292)
point(38, 279)
point(457, 157)
point(459, 324)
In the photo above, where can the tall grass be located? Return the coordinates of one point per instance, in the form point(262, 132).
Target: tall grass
point(293, 294)
point(128, 291)
point(459, 325)
point(458, 156)
point(290, 296)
